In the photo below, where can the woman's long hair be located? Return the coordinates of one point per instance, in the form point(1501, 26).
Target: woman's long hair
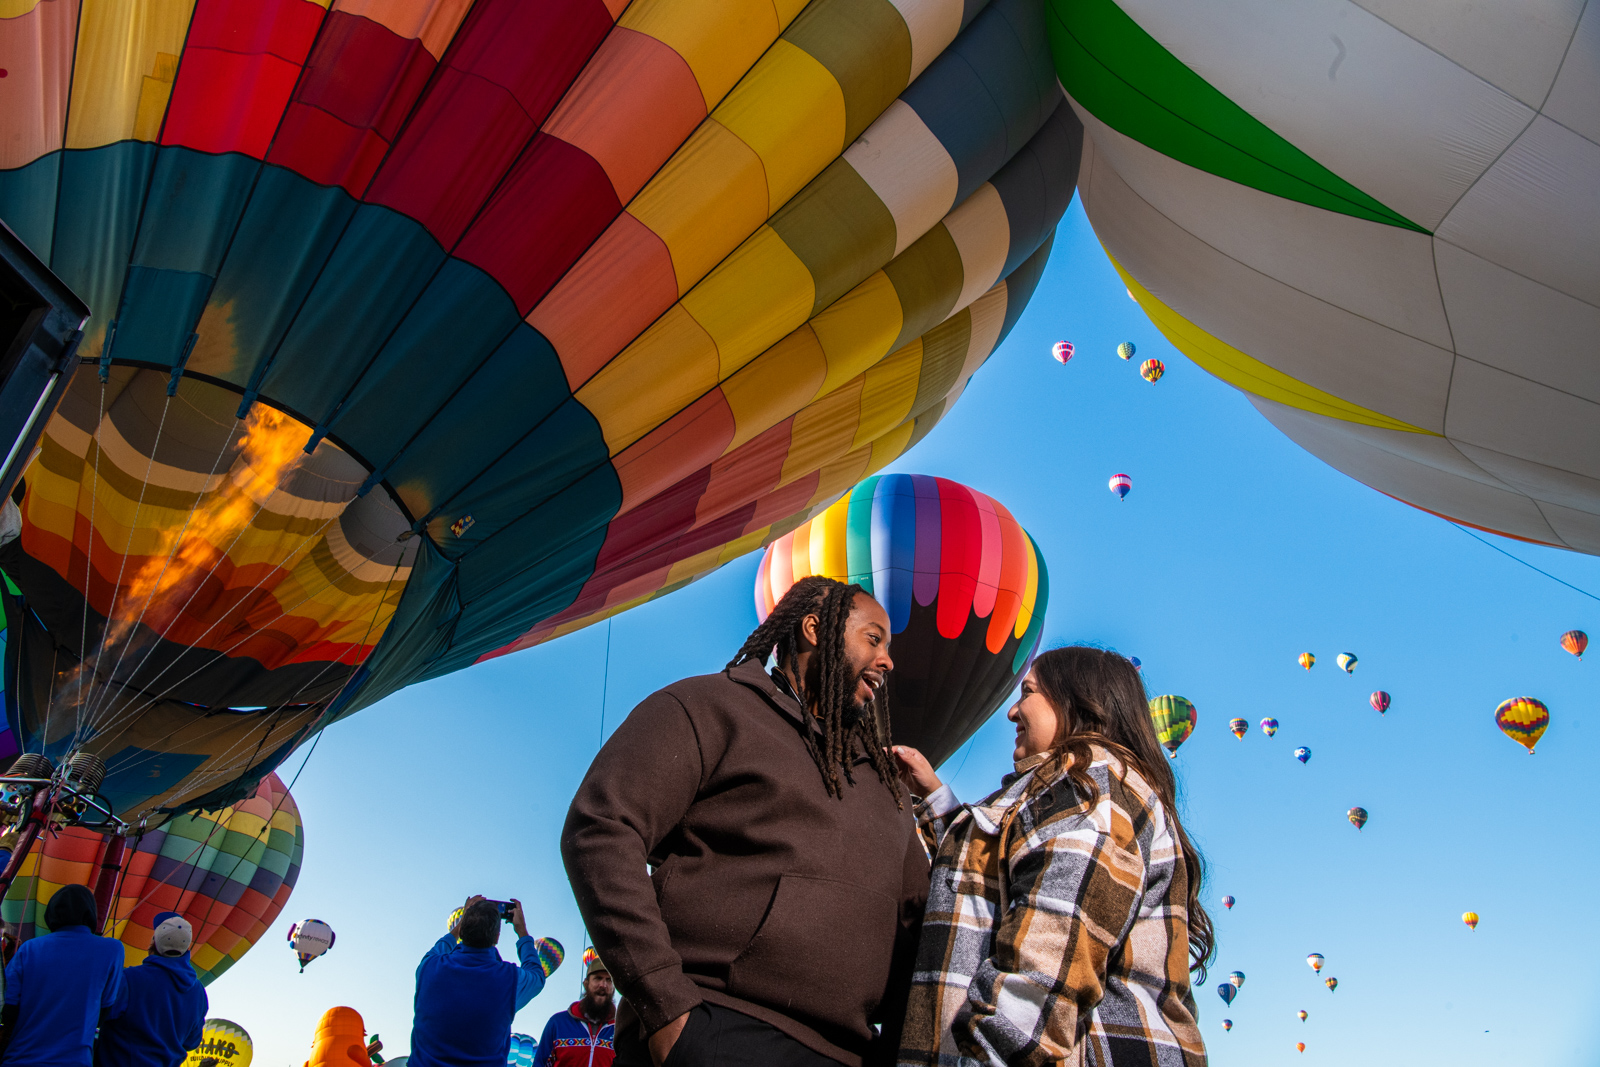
point(1099, 699)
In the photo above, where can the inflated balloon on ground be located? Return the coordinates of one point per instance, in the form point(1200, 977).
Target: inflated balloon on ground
point(1523, 719)
point(224, 1043)
point(1174, 719)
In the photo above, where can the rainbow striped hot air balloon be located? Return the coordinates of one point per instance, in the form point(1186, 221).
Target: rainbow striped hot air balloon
point(1523, 719)
point(1062, 351)
point(964, 585)
point(1575, 641)
point(1174, 718)
point(1239, 727)
point(1151, 370)
point(1126, 350)
point(1121, 485)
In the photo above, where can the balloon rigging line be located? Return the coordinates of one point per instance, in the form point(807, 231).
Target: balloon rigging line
point(605, 681)
point(1525, 563)
point(970, 742)
point(88, 556)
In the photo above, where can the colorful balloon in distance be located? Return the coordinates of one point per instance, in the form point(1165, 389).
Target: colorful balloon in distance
point(1523, 719)
point(535, 183)
point(1239, 727)
point(310, 939)
point(1126, 350)
point(1228, 902)
point(1346, 662)
point(1575, 641)
point(1227, 1024)
point(1237, 978)
point(1471, 919)
point(1331, 983)
point(1062, 351)
point(226, 1044)
point(1315, 961)
point(964, 586)
point(1379, 701)
point(1138, 664)
point(1151, 370)
point(1302, 753)
point(1307, 660)
point(1302, 1013)
point(1357, 817)
point(1269, 726)
point(1227, 991)
point(1121, 485)
point(1174, 719)
point(1299, 1046)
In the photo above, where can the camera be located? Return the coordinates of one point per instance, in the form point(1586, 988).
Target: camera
point(507, 909)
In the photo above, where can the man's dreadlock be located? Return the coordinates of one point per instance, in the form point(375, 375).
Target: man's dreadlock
point(838, 726)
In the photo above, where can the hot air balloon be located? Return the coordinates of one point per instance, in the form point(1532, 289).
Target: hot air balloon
point(1346, 661)
point(1575, 641)
point(1228, 902)
point(1302, 1014)
point(1379, 701)
point(226, 1044)
point(1138, 664)
point(1151, 370)
point(1302, 753)
point(1307, 660)
point(1239, 727)
point(1523, 719)
point(1126, 350)
point(1269, 726)
point(1227, 991)
point(1174, 718)
point(228, 872)
point(1299, 1046)
point(523, 1048)
point(964, 585)
point(1227, 1024)
point(1332, 984)
point(1357, 817)
point(1471, 919)
point(1464, 225)
point(1237, 978)
point(616, 300)
point(340, 1040)
point(310, 939)
point(1121, 484)
point(1061, 351)
point(1315, 961)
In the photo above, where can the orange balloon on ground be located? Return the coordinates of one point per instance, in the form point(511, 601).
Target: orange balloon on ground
point(341, 1040)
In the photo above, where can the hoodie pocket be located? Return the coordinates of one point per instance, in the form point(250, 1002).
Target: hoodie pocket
point(822, 953)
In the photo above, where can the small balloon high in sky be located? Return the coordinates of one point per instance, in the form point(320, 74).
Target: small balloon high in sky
point(1523, 719)
point(1121, 485)
point(1575, 641)
point(1307, 660)
point(1379, 701)
point(1269, 726)
point(1347, 662)
point(1062, 351)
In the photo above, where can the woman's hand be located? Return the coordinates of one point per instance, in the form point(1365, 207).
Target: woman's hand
point(915, 770)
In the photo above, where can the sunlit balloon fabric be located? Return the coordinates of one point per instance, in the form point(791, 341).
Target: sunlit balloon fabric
point(588, 298)
point(964, 585)
point(228, 872)
point(1523, 719)
point(1377, 219)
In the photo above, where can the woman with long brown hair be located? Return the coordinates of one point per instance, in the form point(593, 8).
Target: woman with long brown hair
point(1064, 917)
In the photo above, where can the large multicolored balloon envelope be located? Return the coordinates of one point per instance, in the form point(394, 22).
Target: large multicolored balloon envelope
point(1357, 817)
point(963, 583)
point(1346, 661)
point(1240, 727)
point(1523, 719)
point(1307, 660)
point(1121, 485)
point(1408, 292)
point(224, 1043)
point(1575, 641)
point(522, 1050)
point(1174, 719)
point(1269, 726)
point(1471, 919)
point(618, 293)
point(1227, 991)
point(1151, 370)
point(228, 872)
point(1379, 701)
point(1062, 351)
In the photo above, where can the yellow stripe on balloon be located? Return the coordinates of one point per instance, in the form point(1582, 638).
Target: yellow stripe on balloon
point(1246, 372)
point(719, 42)
point(790, 110)
point(126, 61)
point(1030, 592)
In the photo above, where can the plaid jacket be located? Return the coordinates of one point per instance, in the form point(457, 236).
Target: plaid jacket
point(1054, 934)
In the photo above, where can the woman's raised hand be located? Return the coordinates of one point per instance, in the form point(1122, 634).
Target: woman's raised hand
point(915, 770)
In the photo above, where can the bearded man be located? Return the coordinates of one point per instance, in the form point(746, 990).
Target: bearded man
point(777, 923)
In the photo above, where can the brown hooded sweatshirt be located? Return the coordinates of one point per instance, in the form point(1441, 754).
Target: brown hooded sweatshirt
point(766, 895)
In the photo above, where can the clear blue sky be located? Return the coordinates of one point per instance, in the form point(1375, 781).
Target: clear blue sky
point(1235, 552)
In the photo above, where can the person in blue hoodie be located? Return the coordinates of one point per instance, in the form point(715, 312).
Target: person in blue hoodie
point(163, 1010)
point(59, 985)
point(467, 995)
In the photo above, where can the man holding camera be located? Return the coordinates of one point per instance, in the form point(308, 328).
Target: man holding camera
point(467, 995)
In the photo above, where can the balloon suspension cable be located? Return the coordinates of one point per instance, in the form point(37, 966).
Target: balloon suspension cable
point(1524, 562)
point(605, 688)
point(88, 555)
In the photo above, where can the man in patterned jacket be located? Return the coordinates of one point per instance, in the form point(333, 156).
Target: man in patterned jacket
point(581, 1036)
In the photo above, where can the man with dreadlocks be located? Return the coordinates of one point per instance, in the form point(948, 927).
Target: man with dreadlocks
point(778, 921)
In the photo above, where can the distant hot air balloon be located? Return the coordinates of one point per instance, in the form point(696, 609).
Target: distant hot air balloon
point(1174, 718)
point(1379, 701)
point(1121, 485)
point(1269, 726)
point(1357, 817)
point(1151, 370)
point(1346, 662)
point(1307, 659)
point(310, 939)
point(1062, 351)
point(1302, 753)
point(224, 1043)
point(1239, 727)
point(1471, 919)
point(1126, 350)
point(1227, 1024)
point(1332, 984)
point(1227, 991)
point(1315, 960)
point(1228, 902)
point(1302, 1013)
point(1575, 641)
point(1523, 719)
point(1138, 664)
point(1237, 978)
point(1299, 1046)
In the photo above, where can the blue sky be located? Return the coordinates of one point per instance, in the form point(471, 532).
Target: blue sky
point(1235, 552)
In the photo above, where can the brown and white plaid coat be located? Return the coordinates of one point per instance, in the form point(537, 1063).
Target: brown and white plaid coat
point(1055, 933)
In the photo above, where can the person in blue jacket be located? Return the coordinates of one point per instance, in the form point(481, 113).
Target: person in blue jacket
point(58, 986)
point(163, 1010)
point(467, 995)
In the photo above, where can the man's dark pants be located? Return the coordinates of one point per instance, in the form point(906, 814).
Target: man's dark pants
point(716, 1036)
